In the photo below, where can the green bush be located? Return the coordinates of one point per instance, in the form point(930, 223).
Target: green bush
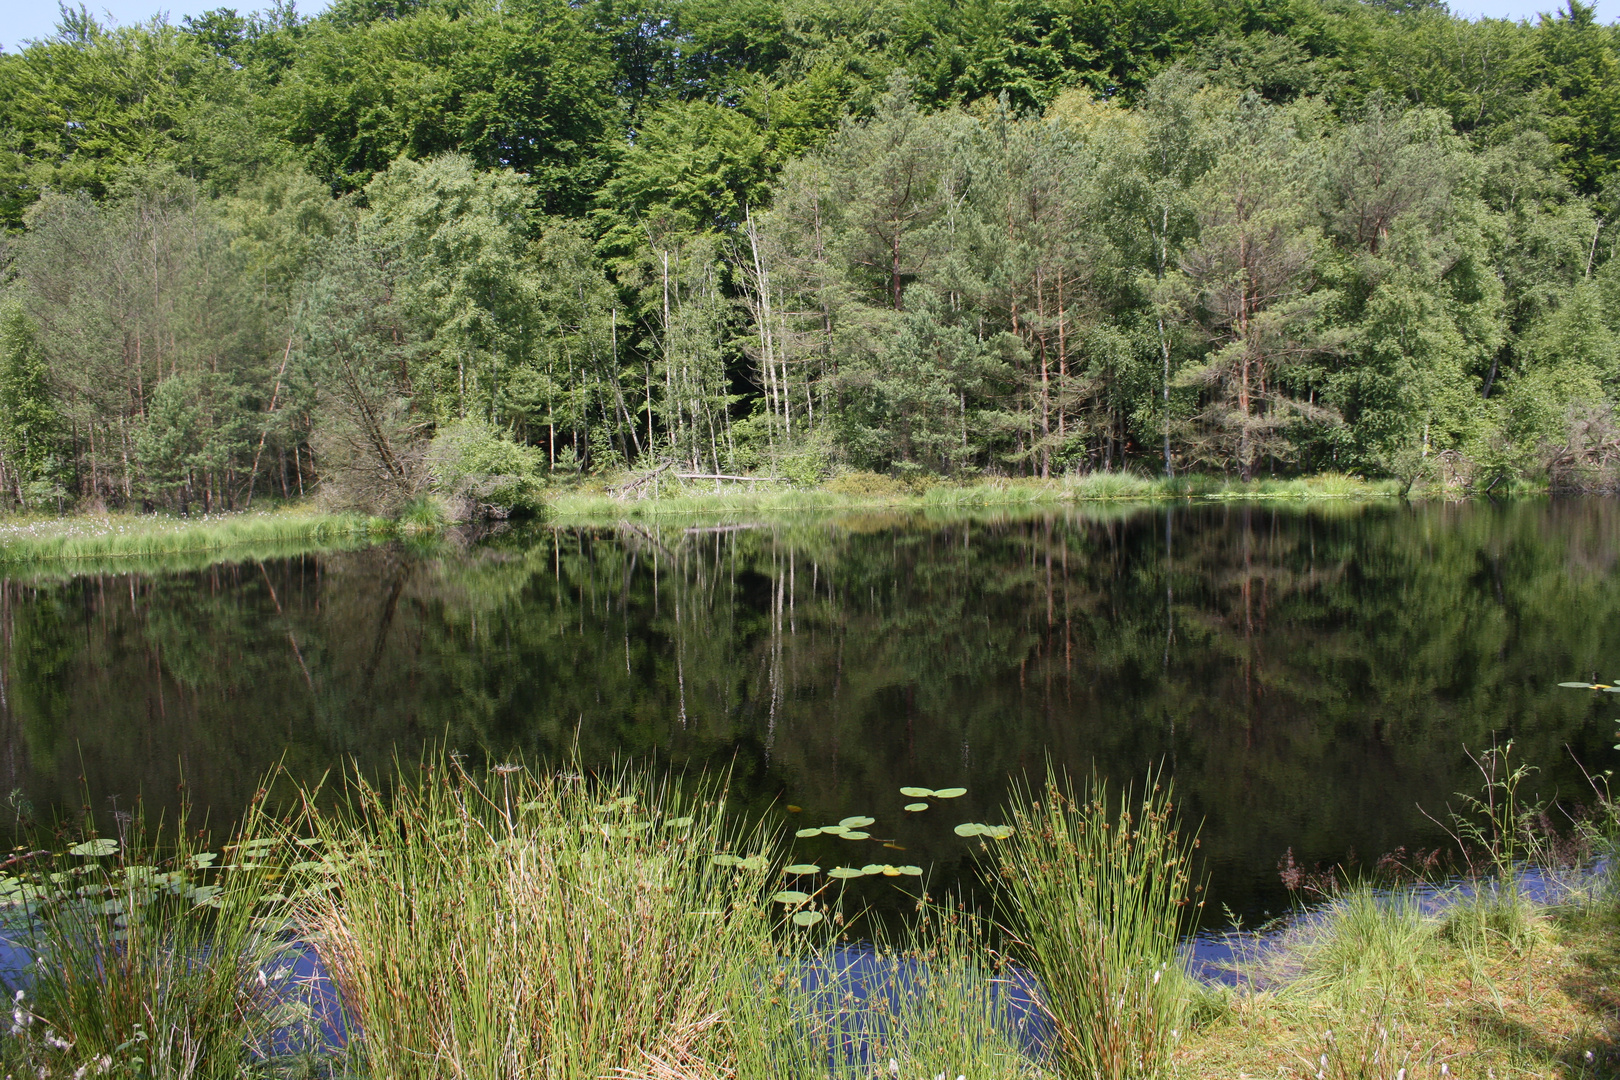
point(483, 472)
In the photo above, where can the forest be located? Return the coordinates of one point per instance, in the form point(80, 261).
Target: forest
point(469, 248)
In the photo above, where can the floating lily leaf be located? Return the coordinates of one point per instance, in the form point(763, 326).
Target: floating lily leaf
point(969, 828)
point(854, 834)
point(678, 822)
point(915, 807)
point(1611, 689)
point(834, 830)
point(998, 832)
point(804, 834)
point(103, 846)
point(950, 792)
point(791, 896)
point(807, 918)
point(844, 872)
point(537, 804)
point(891, 871)
point(308, 841)
point(203, 860)
point(802, 868)
point(204, 895)
point(1578, 685)
point(755, 863)
point(917, 792)
point(895, 847)
point(856, 822)
point(872, 868)
point(726, 860)
point(911, 871)
point(306, 866)
point(629, 829)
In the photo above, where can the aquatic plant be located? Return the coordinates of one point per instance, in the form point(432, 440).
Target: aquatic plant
point(147, 956)
point(48, 540)
point(1093, 891)
point(516, 924)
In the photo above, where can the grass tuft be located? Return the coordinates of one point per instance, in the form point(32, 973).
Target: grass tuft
point(1094, 890)
point(151, 957)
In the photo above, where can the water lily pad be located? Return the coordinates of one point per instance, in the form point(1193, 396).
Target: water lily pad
point(807, 918)
point(844, 872)
point(915, 807)
point(754, 863)
point(678, 822)
point(726, 860)
point(969, 828)
point(103, 846)
point(203, 860)
point(834, 830)
point(805, 834)
point(309, 841)
point(998, 832)
point(854, 834)
point(856, 822)
point(910, 871)
point(791, 896)
point(1577, 685)
point(950, 792)
point(894, 847)
point(802, 868)
point(204, 895)
point(872, 868)
point(917, 792)
point(891, 871)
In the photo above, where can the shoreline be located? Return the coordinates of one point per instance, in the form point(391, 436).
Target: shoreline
point(82, 537)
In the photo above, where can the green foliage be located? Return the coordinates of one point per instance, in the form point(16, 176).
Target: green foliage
point(30, 430)
point(481, 466)
point(927, 237)
point(1094, 892)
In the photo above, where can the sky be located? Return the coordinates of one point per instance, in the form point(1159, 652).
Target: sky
point(24, 19)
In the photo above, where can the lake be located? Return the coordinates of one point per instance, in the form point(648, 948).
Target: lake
point(1310, 674)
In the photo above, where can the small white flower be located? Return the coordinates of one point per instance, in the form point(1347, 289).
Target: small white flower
point(894, 1066)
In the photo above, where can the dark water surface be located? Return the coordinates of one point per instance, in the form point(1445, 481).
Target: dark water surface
point(1311, 675)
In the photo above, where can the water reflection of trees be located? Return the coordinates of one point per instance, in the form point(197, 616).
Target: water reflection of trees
point(1311, 676)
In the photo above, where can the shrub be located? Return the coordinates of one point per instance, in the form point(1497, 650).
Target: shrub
point(483, 472)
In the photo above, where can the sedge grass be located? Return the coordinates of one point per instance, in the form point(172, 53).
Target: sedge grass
point(681, 500)
point(99, 539)
point(151, 957)
point(1093, 892)
point(515, 925)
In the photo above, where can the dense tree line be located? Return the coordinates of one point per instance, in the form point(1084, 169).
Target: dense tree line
point(453, 245)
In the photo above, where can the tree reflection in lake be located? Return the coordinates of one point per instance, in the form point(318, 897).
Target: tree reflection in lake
point(1310, 675)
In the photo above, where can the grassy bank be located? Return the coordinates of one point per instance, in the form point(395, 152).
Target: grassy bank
point(629, 925)
point(869, 491)
point(112, 539)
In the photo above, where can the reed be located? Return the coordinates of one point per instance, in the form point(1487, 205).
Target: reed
point(1093, 891)
point(100, 539)
point(150, 957)
point(516, 925)
point(684, 500)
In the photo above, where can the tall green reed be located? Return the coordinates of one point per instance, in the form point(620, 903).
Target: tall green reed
point(151, 956)
point(1093, 892)
point(511, 924)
